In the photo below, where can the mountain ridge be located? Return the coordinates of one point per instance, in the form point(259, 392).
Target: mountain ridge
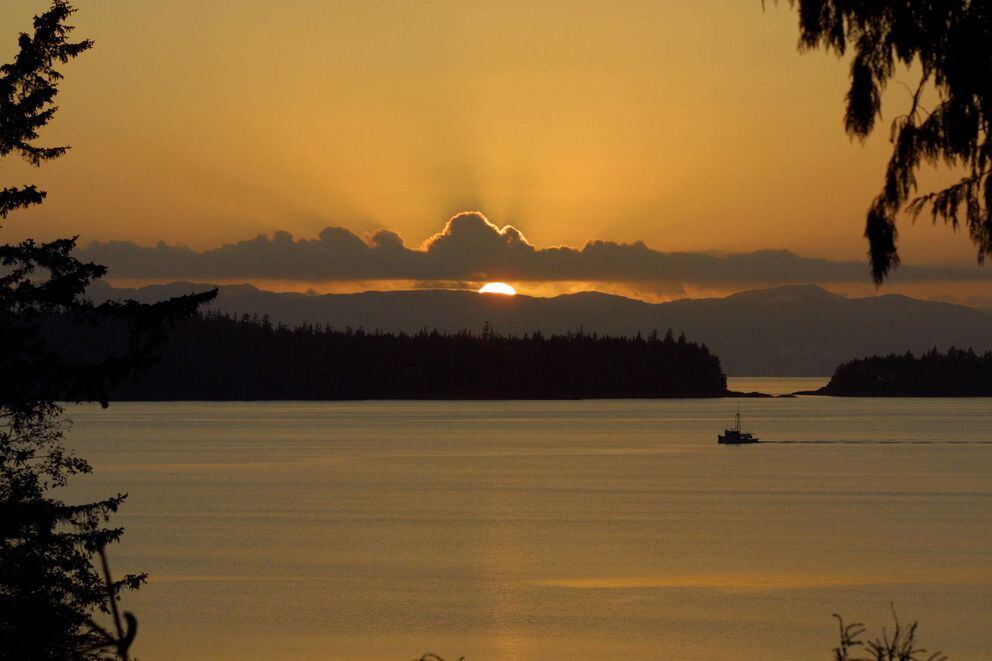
point(789, 330)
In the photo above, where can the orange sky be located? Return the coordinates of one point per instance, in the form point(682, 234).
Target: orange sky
point(690, 126)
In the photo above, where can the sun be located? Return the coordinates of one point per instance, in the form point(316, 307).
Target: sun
point(497, 288)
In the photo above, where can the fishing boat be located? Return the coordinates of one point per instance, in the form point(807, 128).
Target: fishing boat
point(734, 435)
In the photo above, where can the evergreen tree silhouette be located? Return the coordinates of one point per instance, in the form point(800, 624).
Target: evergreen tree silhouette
point(49, 586)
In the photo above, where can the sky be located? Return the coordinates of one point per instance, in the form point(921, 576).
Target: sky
point(689, 126)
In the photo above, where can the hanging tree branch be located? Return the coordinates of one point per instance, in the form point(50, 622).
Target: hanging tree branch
point(951, 43)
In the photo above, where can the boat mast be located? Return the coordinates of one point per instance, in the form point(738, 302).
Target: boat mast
point(737, 419)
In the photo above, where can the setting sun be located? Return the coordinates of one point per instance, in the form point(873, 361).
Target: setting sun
point(497, 288)
point(287, 317)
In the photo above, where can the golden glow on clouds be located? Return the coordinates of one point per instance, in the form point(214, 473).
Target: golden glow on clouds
point(691, 126)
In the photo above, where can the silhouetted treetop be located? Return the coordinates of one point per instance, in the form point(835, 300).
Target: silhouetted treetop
point(28, 87)
point(951, 43)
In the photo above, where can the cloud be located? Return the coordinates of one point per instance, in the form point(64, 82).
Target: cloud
point(471, 248)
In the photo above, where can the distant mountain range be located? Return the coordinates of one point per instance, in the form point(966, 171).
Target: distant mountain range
point(800, 330)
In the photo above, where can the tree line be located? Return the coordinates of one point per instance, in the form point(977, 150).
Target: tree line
point(218, 357)
point(957, 373)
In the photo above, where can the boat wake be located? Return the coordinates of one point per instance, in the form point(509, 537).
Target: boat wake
point(875, 442)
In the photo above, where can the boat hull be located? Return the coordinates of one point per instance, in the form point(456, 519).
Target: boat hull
point(736, 440)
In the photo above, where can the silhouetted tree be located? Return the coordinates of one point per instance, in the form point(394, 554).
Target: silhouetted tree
point(49, 586)
point(951, 43)
point(216, 357)
point(957, 373)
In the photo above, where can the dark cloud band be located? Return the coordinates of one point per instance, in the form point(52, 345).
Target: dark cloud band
point(472, 248)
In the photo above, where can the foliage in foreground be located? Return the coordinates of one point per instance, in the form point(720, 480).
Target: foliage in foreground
point(899, 645)
point(49, 587)
point(951, 43)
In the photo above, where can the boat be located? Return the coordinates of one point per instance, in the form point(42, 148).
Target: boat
point(734, 435)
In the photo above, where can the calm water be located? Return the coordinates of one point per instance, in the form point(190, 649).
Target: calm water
point(534, 530)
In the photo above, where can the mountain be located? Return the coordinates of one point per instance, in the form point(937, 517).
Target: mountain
point(800, 330)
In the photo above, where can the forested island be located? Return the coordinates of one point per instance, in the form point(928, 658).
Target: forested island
point(957, 373)
point(217, 357)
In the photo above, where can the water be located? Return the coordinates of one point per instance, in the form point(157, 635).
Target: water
point(536, 530)
point(776, 385)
